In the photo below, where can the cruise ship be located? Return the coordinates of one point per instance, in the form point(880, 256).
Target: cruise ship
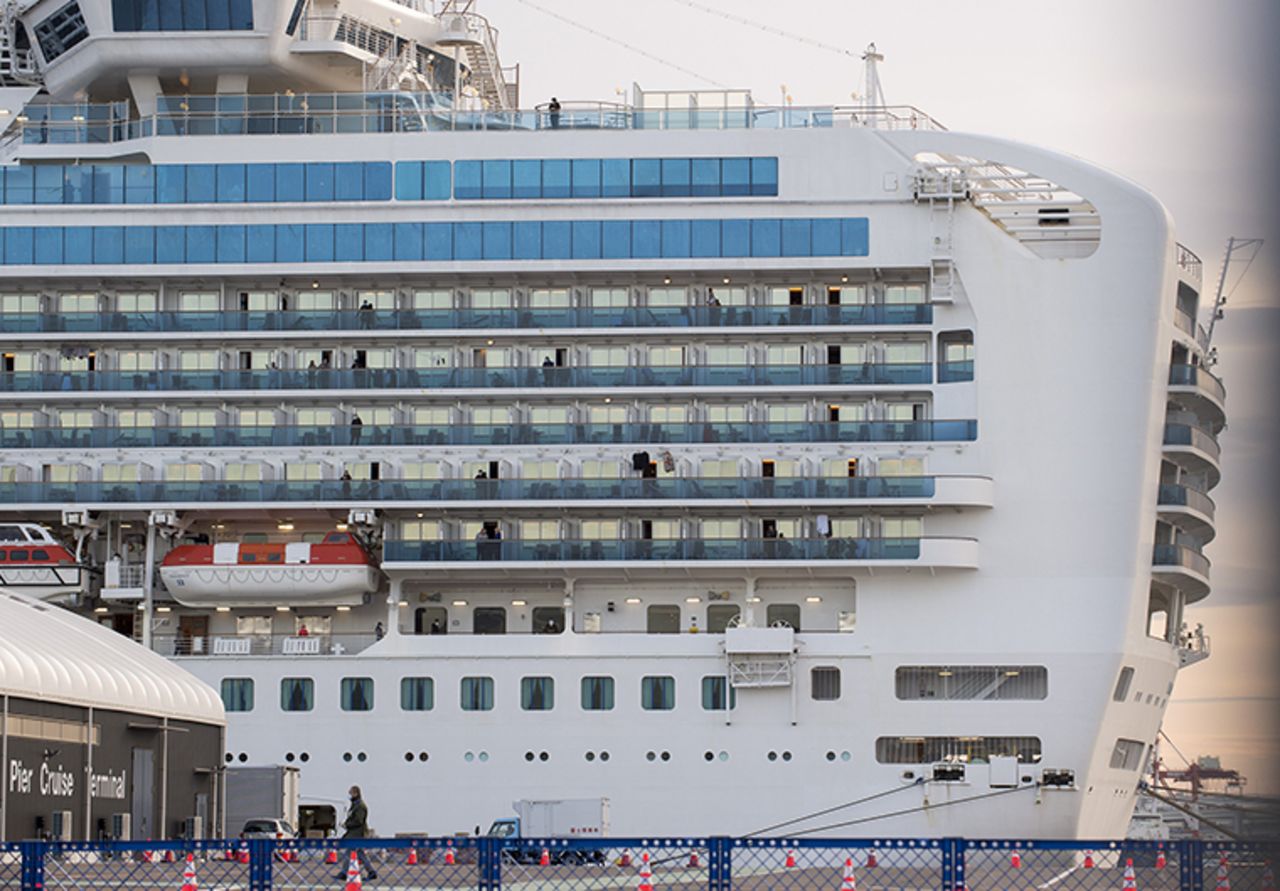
point(747, 466)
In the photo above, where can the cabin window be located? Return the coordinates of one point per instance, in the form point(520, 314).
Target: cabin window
point(824, 684)
point(931, 749)
point(716, 693)
point(61, 31)
point(18, 556)
point(417, 694)
point(658, 693)
point(489, 620)
point(297, 694)
point(1122, 684)
point(597, 694)
point(537, 694)
point(1127, 754)
point(548, 619)
point(664, 619)
point(783, 614)
point(982, 682)
point(719, 615)
point(237, 694)
point(477, 694)
point(39, 555)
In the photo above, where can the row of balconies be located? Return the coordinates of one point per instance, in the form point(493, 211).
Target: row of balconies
point(865, 374)
point(365, 435)
point(363, 321)
point(974, 491)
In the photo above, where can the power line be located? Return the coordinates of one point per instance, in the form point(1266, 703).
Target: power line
point(913, 810)
point(751, 23)
point(622, 43)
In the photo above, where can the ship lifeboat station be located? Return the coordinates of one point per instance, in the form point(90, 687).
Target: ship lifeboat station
point(100, 738)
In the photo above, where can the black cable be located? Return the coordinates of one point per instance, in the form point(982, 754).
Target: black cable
point(838, 807)
point(912, 810)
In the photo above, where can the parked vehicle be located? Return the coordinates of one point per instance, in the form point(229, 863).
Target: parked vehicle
point(575, 818)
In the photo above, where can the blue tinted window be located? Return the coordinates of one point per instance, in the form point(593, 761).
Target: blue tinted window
point(348, 181)
point(675, 177)
point(349, 241)
point(526, 179)
point(378, 241)
point(496, 179)
point(526, 240)
point(319, 242)
point(139, 184)
point(231, 244)
point(557, 240)
point(735, 238)
point(646, 238)
point(182, 15)
point(586, 178)
point(854, 240)
point(201, 244)
point(77, 184)
point(705, 177)
point(497, 241)
point(586, 240)
point(408, 180)
point(48, 245)
point(108, 244)
point(219, 15)
point(193, 17)
point(735, 176)
point(467, 180)
point(171, 244)
point(170, 15)
point(468, 241)
point(555, 179)
point(615, 176)
point(826, 238)
point(108, 183)
point(646, 177)
point(766, 238)
point(241, 15)
point(77, 244)
point(705, 238)
point(49, 184)
point(437, 241)
point(764, 176)
point(231, 182)
point(171, 184)
point(617, 239)
point(795, 238)
point(408, 241)
point(260, 182)
point(290, 182)
point(289, 244)
point(377, 181)
point(319, 182)
point(260, 244)
point(201, 184)
point(675, 238)
point(18, 246)
point(19, 183)
point(139, 244)
point(436, 185)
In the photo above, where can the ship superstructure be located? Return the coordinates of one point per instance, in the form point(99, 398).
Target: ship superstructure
point(726, 461)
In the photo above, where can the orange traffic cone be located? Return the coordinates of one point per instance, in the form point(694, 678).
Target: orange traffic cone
point(791, 858)
point(646, 877)
point(189, 874)
point(1268, 878)
point(1160, 861)
point(694, 862)
point(1088, 859)
point(1130, 880)
point(231, 853)
point(850, 883)
point(353, 874)
point(1015, 860)
point(871, 859)
point(170, 857)
point(625, 859)
point(412, 859)
point(449, 859)
point(1224, 879)
point(332, 856)
point(544, 859)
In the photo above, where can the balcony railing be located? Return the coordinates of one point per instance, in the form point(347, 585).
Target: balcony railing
point(1185, 496)
point(403, 551)
point(1189, 264)
point(364, 436)
point(955, 372)
point(898, 373)
point(262, 644)
point(1196, 437)
point(1180, 555)
point(1197, 376)
point(675, 488)
point(330, 321)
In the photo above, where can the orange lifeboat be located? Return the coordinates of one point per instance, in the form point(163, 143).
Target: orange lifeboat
point(34, 563)
point(337, 571)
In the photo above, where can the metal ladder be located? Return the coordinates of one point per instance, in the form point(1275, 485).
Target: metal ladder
point(17, 66)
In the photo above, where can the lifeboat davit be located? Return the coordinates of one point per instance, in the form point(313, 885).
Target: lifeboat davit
point(34, 563)
point(335, 572)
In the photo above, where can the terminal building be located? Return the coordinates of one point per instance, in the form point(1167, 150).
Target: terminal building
point(100, 738)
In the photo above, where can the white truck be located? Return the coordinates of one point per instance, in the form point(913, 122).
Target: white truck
point(261, 794)
point(575, 818)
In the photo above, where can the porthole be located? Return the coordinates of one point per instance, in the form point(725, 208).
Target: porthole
point(243, 757)
point(666, 756)
point(604, 756)
point(361, 757)
point(709, 756)
point(484, 756)
point(423, 756)
point(469, 756)
point(346, 756)
point(650, 755)
point(288, 756)
point(845, 756)
point(408, 756)
point(773, 756)
point(229, 757)
point(304, 757)
point(544, 756)
point(591, 756)
point(724, 756)
point(528, 756)
point(786, 756)
point(831, 756)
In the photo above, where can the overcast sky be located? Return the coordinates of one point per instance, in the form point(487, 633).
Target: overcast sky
point(1176, 95)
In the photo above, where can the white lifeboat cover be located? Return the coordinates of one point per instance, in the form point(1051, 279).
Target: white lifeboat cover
point(227, 552)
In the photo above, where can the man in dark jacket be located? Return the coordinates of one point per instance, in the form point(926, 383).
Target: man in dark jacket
point(356, 825)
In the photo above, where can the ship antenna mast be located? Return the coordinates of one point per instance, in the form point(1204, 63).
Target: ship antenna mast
point(873, 95)
point(1242, 245)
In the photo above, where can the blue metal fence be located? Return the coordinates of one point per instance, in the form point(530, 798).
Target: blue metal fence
point(713, 864)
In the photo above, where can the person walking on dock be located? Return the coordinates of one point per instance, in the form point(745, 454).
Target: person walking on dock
point(356, 825)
